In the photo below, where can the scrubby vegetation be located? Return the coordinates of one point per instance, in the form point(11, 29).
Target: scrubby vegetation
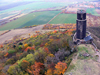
point(41, 54)
point(95, 30)
point(95, 34)
point(58, 26)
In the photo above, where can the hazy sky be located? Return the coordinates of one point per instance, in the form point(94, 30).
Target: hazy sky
point(11, 1)
point(37, 0)
point(15, 0)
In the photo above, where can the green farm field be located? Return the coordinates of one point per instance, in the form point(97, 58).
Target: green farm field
point(41, 19)
point(35, 18)
point(64, 18)
point(92, 11)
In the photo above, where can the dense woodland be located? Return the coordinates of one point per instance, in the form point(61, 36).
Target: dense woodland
point(41, 54)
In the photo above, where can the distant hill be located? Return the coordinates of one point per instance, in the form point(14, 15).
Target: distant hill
point(95, 0)
point(8, 6)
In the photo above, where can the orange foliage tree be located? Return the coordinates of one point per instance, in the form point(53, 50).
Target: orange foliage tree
point(1, 46)
point(49, 72)
point(6, 54)
point(54, 31)
point(29, 48)
point(25, 45)
point(60, 68)
point(36, 69)
point(46, 50)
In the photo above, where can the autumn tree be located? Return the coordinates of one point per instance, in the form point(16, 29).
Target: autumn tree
point(24, 65)
point(40, 55)
point(50, 70)
point(6, 54)
point(60, 68)
point(14, 70)
point(25, 45)
point(1, 46)
point(36, 69)
point(46, 50)
point(28, 58)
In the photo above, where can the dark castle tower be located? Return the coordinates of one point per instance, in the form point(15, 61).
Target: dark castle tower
point(81, 24)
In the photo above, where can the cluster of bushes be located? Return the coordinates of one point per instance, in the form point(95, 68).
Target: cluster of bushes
point(43, 54)
point(29, 26)
point(64, 26)
point(5, 32)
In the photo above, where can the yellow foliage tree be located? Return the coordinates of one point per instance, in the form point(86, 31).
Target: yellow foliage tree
point(25, 45)
point(46, 44)
point(51, 55)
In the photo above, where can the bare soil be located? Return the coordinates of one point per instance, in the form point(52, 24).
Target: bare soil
point(16, 32)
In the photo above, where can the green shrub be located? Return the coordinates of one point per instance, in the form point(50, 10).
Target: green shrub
point(37, 43)
point(11, 51)
point(23, 55)
point(14, 46)
point(28, 58)
point(19, 47)
point(10, 61)
point(20, 43)
point(68, 61)
point(30, 44)
point(37, 47)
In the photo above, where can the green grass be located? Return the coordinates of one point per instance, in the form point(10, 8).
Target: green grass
point(87, 49)
point(64, 18)
point(35, 18)
point(71, 67)
point(80, 48)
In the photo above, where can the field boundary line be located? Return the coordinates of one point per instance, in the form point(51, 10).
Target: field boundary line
point(54, 17)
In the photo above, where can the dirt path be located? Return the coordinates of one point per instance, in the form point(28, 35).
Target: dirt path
point(23, 33)
point(54, 17)
point(17, 32)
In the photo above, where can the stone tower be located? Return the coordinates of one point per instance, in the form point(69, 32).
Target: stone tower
point(81, 24)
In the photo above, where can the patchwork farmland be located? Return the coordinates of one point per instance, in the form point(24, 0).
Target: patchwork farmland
point(47, 17)
point(30, 19)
